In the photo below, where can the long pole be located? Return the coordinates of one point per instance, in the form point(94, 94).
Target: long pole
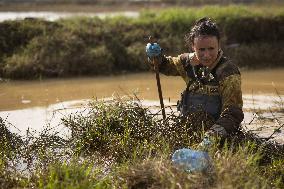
point(156, 68)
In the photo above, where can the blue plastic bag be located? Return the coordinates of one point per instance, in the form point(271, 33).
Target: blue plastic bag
point(191, 160)
point(153, 50)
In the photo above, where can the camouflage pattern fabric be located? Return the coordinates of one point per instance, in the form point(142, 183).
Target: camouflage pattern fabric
point(228, 78)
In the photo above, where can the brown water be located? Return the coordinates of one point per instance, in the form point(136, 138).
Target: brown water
point(25, 94)
point(34, 104)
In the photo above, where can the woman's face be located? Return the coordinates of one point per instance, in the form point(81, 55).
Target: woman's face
point(206, 49)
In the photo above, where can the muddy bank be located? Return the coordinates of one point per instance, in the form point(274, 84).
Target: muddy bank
point(34, 104)
point(263, 117)
point(81, 46)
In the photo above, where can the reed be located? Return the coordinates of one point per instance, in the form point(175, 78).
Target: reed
point(121, 144)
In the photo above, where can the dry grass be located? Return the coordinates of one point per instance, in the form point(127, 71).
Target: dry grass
point(120, 144)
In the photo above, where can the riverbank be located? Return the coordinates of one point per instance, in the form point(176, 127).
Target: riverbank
point(263, 114)
point(118, 6)
point(73, 7)
point(36, 48)
point(55, 99)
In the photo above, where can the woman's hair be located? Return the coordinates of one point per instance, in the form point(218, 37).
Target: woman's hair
point(204, 26)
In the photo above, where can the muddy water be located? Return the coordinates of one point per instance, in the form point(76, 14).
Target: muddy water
point(31, 104)
point(25, 94)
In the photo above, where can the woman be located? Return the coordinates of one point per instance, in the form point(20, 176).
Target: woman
point(213, 82)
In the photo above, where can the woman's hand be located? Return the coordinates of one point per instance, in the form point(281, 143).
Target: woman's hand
point(153, 50)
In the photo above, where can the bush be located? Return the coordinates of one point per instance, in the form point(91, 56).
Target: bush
point(119, 128)
point(62, 54)
point(257, 55)
point(34, 48)
point(120, 144)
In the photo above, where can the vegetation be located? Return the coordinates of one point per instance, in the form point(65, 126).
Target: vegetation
point(107, 2)
point(33, 48)
point(120, 144)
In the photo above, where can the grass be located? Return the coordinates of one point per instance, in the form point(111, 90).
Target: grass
point(81, 46)
point(120, 144)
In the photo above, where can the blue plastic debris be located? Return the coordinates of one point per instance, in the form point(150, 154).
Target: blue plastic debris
point(153, 50)
point(191, 160)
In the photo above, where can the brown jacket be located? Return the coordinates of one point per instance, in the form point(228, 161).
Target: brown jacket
point(229, 85)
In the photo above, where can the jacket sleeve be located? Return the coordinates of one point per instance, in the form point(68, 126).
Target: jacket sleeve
point(231, 95)
point(175, 66)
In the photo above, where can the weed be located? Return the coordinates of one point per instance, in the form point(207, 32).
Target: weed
point(121, 144)
point(34, 48)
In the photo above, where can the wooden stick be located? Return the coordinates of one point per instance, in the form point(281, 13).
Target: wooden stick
point(156, 68)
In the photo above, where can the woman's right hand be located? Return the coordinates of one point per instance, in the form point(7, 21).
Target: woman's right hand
point(154, 53)
point(153, 50)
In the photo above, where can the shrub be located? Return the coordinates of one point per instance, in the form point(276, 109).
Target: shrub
point(120, 144)
point(257, 55)
point(62, 54)
point(34, 48)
